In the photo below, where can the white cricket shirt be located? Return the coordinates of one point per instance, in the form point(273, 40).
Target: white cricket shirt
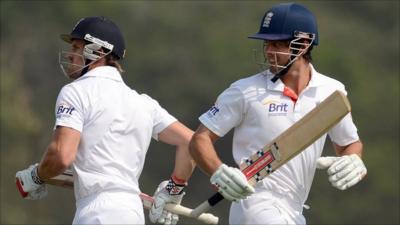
point(258, 111)
point(116, 125)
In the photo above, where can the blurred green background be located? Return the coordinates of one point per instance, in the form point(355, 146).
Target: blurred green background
point(184, 53)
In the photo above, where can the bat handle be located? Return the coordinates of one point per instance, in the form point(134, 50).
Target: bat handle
point(180, 210)
point(207, 205)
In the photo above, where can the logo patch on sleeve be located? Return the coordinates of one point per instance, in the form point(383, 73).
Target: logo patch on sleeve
point(64, 109)
point(212, 111)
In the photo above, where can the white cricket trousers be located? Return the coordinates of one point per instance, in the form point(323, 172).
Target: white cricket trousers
point(109, 208)
point(267, 209)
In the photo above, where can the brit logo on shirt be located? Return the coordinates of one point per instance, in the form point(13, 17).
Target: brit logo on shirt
point(64, 109)
point(276, 108)
point(212, 111)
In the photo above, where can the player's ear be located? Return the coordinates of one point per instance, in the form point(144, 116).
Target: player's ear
point(305, 44)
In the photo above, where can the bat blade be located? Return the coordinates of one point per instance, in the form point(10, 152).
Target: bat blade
point(66, 180)
point(290, 143)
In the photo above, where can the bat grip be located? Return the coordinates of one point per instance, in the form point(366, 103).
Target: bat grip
point(213, 200)
point(207, 205)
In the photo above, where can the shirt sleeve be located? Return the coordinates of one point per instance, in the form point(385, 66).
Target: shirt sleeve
point(69, 110)
point(226, 113)
point(345, 132)
point(161, 118)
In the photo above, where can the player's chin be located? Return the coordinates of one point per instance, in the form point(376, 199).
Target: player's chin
point(273, 69)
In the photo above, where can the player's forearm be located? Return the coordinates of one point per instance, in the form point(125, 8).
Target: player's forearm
point(353, 148)
point(202, 151)
point(60, 153)
point(52, 163)
point(179, 135)
point(184, 164)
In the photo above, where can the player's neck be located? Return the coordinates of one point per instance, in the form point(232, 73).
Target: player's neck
point(98, 63)
point(298, 77)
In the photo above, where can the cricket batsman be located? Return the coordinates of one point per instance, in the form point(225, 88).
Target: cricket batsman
point(261, 107)
point(103, 130)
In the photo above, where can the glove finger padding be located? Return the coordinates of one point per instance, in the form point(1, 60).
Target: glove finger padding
point(231, 183)
point(339, 164)
point(168, 218)
point(342, 173)
point(350, 179)
point(162, 218)
point(26, 182)
point(225, 182)
point(167, 192)
point(29, 184)
point(40, 193)
point(350, 183)
point(156, 210)
point(341, 182)
point(174, 219)
point(347, 171)
point(240, 180)
point(225, 188)
point(340, 170)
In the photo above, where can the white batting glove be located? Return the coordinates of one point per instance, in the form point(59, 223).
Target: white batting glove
point(29, 184)
point(344, 171)
point(231, 183)
point(167, 192)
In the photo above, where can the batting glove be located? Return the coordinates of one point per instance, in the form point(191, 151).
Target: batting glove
point(231, 183)
point(345, 171)
point(29, 185)
point(167, 192)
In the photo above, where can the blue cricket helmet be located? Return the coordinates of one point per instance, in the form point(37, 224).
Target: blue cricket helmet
point(282, 21)
point(99, 29)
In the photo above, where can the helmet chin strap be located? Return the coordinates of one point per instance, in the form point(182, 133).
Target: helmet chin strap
point(284, 70)
point(86, 68)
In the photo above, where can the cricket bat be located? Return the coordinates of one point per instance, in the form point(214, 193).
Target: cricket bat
point(66, 180)
point(290, 143)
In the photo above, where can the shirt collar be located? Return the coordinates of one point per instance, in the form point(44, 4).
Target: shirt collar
point(274, 86)
point(108, 72)
point(316, 78)
point(279, 85)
